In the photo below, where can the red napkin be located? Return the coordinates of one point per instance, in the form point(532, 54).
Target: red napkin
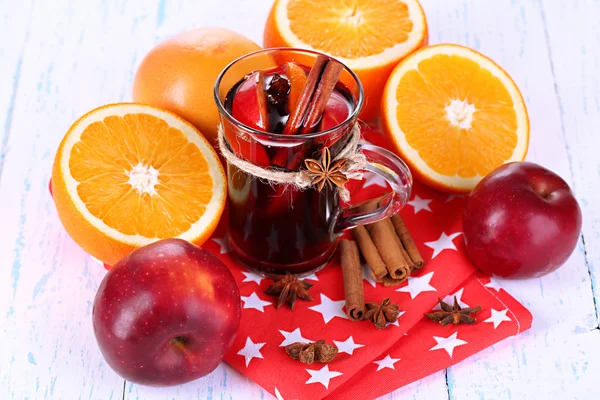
point(429, 347)
point(371, 362)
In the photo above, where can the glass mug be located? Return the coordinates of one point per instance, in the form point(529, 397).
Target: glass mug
point(274, 228)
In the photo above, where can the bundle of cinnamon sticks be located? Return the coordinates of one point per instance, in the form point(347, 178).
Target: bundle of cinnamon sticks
point(389, 250)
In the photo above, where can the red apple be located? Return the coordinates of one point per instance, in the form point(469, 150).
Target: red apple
point(166, 314)
point(521, 221)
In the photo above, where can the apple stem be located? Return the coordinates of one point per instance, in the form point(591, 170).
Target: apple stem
point(180, 343)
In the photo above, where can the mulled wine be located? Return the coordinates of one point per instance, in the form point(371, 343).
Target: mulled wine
point(280, 228)
point(289, 136)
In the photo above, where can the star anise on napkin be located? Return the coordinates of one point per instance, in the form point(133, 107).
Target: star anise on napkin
point(289, 288)
point(453, 314)
point(324, 172)
point(308, 353)
point(382, 314)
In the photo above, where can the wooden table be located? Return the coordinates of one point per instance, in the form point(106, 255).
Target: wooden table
point(61, 58)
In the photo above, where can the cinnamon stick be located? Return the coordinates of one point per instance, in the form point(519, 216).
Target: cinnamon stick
point(319, 86)
point(383, 235)
point(330, 77)
point(407, 241)
point(389, 281)
point(297, 117)
point(353, 285)
point(370, 253)
point(404, 252)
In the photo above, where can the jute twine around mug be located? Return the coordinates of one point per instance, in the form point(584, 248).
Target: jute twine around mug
point(355, 163)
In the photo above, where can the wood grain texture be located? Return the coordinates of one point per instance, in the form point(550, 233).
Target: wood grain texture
point(15, 24)
point(62, 58)
point(573, 36)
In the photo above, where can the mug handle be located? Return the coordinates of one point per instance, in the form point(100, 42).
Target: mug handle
point(391, 168)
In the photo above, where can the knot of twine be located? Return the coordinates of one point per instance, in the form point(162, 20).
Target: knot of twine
point(355, 164)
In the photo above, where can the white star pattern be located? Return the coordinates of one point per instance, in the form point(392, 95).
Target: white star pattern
point(448, 343)
point(386, 362)
point(372, 179)
point(251, 350)
point(311, 277)
point(445, 242)
point(366, 274)
point(252, 277)
point(223, 243)
point(348, 346)
point(397, 321)
point(493, 284)
point(322, 376)
point(420, 204)
point(417, 285)
point(329, 308)
point(278, 395)
point(253, 301)
point(292, 337)
point(498, 317)
point(450, 300)
point(272, 240)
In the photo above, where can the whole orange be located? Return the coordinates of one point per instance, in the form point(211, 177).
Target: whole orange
point(178, 75)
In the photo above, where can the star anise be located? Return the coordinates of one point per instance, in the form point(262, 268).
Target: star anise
point(453, 314)
point(382, 314)
point(324, 172)
point(308, 353)
point(290, 288)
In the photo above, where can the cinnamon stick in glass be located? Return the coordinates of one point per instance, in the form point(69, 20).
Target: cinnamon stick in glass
point(296, 119)
point(384, 237)
point(330, 77)
point(353, 285)
point(317, 90)
point(407, 241)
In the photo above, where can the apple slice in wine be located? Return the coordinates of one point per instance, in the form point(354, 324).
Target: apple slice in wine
point(250, 108)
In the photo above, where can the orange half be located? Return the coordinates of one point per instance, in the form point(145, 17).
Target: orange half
point(126, 175)
point(454, 116)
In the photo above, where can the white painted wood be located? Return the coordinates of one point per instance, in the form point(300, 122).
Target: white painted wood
point(15, 25)
point(531, 366)
point(574, 35)
point(80, 54)
point(430, 387)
